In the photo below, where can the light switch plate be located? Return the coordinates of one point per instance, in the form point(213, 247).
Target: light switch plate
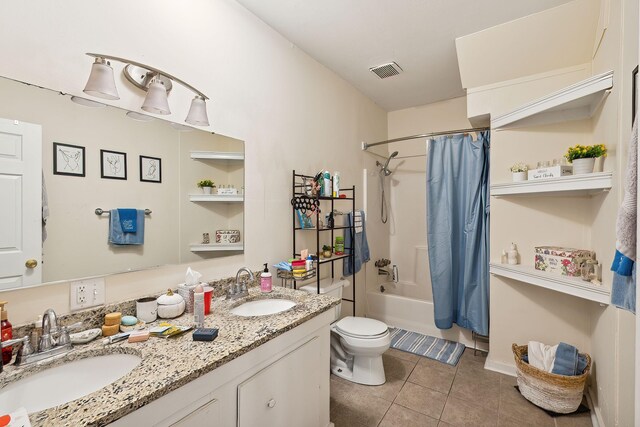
point(86, 293)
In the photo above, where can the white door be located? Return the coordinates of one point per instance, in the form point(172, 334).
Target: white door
point(20, 204)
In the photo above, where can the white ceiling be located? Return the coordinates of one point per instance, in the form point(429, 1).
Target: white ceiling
point(350, 36)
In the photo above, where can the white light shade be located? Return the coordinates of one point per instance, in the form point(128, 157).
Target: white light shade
point(101, 82)
point(198, 112)
point(139, 116)
point(156, 101)
point(87, 102)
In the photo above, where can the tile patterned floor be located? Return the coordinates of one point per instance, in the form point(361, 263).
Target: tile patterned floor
point(423, 392)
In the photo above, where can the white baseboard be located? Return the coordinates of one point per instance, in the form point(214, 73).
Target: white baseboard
point(501, 367)
point(596, 413)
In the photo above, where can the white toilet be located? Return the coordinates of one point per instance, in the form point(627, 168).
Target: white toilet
point(357, 343)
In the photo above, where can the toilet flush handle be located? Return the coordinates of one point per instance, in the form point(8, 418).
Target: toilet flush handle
point(271, 403)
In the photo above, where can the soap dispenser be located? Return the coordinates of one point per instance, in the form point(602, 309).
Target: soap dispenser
point(266, 281)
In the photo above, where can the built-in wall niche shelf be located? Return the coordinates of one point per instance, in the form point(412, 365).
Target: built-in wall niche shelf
point(578, 101)
point(213, 247)
point(567, 285)
point(572, 185)
point(217, 155)
point(224, 198)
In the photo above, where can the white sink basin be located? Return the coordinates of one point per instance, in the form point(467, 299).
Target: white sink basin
point(262, 307)
point(64, 383)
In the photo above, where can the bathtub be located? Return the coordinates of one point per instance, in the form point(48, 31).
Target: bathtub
point(402, 305)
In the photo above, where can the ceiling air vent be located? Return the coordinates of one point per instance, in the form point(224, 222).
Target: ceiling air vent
point(386, 70)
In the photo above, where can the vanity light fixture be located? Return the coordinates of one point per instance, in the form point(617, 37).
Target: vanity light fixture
point(139, 116)
point(87, 102)
point(155, 82)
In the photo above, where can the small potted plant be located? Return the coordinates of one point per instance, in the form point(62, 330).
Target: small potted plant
point(583, 157)
point(326, 251)
point(206, 185)
point(519, 171)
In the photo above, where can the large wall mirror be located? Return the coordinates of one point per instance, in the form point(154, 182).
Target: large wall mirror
point(99, 158)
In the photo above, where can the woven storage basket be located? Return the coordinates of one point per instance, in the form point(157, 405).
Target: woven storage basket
point(557, 393)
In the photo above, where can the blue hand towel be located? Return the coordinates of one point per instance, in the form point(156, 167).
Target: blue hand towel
point(357, 243)
point(568, 361)
point(128, 220)
point(623, 290)
point(119, 237)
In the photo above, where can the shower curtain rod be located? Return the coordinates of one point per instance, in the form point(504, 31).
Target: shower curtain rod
point(365, 145)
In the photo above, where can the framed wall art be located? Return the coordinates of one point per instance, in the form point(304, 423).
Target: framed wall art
point(68, 159)
point(150, 169)
point(113, 164)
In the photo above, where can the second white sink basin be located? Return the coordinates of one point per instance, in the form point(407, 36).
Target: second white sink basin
point(263, 307)
point(64, 383)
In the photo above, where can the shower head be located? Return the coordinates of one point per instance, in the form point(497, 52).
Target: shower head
point(385, 167)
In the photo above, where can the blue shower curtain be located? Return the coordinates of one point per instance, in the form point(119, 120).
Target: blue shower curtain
point(458, 230)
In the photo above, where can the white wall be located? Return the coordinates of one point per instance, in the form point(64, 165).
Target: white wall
point(291, 111)
point(520, 312)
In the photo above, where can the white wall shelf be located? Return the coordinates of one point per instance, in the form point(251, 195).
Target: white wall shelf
point(216, 155)
point(575, 102)
point(216, 247)
point(216, 198)
point(572, 185)
point(567, 285)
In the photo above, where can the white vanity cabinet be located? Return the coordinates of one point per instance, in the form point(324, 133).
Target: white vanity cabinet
point(280, 395)
point(283, 382)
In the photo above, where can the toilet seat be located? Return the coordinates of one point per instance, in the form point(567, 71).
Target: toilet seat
point(361, 328)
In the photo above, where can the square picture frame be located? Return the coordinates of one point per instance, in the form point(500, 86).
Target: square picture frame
point(68, 159)
point(113, 165)
point(151, 169)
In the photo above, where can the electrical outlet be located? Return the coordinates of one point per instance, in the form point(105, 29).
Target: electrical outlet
point(86, 293)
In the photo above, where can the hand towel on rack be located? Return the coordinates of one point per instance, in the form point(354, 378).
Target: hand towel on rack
point(128, 220)
point(356, 243)
point(119, 237)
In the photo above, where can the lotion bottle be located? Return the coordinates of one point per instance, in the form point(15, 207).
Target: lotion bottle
point(266, 281)
point(198, 306)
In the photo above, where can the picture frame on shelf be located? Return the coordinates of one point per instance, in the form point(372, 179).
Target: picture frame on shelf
point(113, 165)
point(68, 159)
point(634, 95)
point(151, 169)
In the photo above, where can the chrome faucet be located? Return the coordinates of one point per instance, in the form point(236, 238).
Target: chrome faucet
point(49, 327)
point(48, 345)
point(239, 289)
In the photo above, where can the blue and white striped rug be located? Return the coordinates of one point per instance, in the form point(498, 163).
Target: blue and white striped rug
point(444, 351)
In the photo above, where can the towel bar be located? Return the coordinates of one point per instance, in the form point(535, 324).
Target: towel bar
point(99, 211)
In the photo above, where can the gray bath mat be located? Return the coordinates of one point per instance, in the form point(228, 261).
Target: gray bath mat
point(444, 351)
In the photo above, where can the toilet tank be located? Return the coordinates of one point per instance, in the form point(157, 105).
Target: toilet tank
point(328, 286)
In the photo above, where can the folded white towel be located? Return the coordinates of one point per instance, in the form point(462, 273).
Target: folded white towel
point(542, 356)
point(626, 225)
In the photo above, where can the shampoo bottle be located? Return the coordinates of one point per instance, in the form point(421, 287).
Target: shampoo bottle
point(198, 306)
point(336, 184)
point(327, 184)
point(266, 283)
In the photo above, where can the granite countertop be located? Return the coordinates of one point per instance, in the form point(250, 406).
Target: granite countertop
point(169, 363)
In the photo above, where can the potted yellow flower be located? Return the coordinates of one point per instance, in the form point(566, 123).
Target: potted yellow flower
point(519, 171)
point(583, 157)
